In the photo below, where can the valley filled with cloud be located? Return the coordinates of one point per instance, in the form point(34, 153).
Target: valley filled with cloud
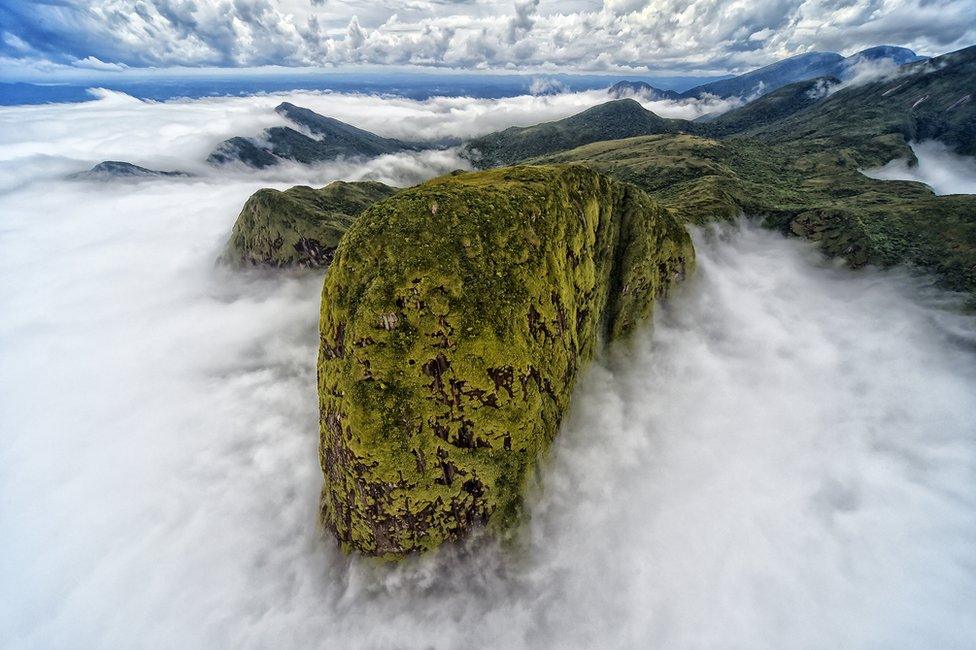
point(801, 477)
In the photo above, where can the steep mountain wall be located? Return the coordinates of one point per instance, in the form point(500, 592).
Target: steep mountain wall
point(455, 320)
point(299, 227)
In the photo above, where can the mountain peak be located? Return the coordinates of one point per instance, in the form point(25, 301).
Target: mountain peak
point(899, 55)
point(627, 104)
point(623, 89)
point(321, 138)
point(613, 120)
point(112, 169)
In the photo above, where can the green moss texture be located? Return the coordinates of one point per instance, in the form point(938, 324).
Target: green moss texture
point(455, 320)
point(299, 227)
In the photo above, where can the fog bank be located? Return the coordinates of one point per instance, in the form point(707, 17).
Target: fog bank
point(786, 459)
point(945, 171)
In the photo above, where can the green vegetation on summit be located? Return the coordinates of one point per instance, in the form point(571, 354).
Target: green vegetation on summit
point(811, 192)
point(455, 320)
point(301, 226)
point(622, 118)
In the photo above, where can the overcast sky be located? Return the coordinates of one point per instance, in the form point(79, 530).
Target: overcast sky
point(649, 36)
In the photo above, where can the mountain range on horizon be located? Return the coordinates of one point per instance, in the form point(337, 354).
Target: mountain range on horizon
point(314, 138)
point(322, 138)
point(499, 284)
point(920, 103)
point(768, 78)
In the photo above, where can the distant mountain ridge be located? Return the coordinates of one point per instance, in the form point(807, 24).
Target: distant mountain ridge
point(768, 78)
point(771, 77)
point(117, 169)
point(332, 139)
point(623, 89)
point(923, 100)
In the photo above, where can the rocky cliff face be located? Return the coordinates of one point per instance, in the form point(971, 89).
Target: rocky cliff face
point(299, 227)
point(455, 320)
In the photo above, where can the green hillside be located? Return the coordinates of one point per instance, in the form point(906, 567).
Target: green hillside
point(622, 118)
point(300, 227)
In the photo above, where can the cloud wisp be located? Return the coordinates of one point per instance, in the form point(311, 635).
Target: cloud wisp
point(945, 171)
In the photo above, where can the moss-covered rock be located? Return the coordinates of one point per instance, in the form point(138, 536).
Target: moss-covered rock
point(301, 226)
point(455, 320)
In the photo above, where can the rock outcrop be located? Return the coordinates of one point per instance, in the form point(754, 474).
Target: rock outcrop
point(301, 226)
point(455, 320)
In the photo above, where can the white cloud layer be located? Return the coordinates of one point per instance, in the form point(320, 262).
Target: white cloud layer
point(785, 461)
point(56, 139)
point(945, 171)
point(661, 35)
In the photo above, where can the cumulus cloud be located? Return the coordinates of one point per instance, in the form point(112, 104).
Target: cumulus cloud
point(697, 36)
point(524, 19)
point(546, 86)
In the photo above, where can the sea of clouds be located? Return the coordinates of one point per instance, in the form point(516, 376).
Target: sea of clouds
point(784, 460)
point(50, 140)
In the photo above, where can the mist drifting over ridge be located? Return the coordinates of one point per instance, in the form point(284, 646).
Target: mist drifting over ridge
point(944, 171)
point(784, 459)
